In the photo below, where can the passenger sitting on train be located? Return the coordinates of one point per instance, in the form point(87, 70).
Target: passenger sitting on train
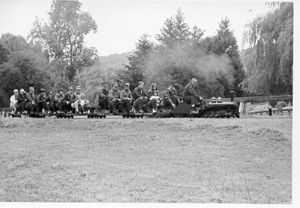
point(68, 99)
point(154, 101)
point(22, 99)
point(171, 98)
point(126, 99)
point(155, 98)
point(31, 104)
point(42, 101)
point(81, 102)
point(114, 99)
point(14, 101)
point(103, 98)
point(139, 97)
point(58, 101)
point(50, 102)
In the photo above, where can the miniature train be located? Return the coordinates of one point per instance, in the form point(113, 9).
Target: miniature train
point(212, 108)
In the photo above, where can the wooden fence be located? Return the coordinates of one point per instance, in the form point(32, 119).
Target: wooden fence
point(258, 99)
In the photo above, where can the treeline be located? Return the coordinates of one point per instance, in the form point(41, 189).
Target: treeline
point(179, 53)
point(54, 56)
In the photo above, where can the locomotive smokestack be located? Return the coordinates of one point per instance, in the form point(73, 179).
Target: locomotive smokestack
point(232, 95)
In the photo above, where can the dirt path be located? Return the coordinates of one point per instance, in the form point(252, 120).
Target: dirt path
point(247, 160)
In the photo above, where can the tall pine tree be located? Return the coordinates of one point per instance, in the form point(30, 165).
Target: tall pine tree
point(225, 43)
point(135, 69)
point(175, 31)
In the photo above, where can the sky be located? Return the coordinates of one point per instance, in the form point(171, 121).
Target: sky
point(121, 23)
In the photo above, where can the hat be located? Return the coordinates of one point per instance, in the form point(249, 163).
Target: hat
point(15, 90)
point(22, 90)
point(127, 84)
point(42, 90)
point(31, 88)
point(141, 82)
point(70, 88)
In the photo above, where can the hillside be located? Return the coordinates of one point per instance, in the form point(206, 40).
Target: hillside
point(115, 61)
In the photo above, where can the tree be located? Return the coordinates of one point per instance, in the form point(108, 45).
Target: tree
point(25, 64)
point(175, 30)
point(271, 36)
point(225, 43)
point(3, 54)
point(63, 37)
point(135, 69)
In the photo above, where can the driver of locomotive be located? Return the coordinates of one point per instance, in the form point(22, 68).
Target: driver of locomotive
point(191, 94)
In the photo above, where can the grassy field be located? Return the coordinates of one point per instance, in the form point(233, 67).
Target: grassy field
point(247, 160)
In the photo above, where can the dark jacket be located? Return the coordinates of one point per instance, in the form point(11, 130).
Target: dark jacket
point(69, 97)
point(22, 97)
point(58, 97)
point(190, 90)
point(138, 92)
point(103, 93)
point(41, 98)
point(50, 98)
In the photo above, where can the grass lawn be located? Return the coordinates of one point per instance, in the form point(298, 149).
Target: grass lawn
point(247, 160)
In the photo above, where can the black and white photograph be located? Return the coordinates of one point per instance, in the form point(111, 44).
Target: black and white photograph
point(164, 102)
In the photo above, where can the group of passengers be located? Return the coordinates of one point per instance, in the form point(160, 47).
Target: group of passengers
point(113, 100)
point(22, 102)
point(139, 101)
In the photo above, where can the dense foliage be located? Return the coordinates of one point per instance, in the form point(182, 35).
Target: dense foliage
point(270, 71)
point(63, 39)
point(22, 64)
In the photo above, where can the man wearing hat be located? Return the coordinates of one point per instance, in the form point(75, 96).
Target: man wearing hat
point(126, 99)
point(114, 98)
point(171, 98)
point(14, 101)
point(68, 99)
point(139, 97)
point(42, 101)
